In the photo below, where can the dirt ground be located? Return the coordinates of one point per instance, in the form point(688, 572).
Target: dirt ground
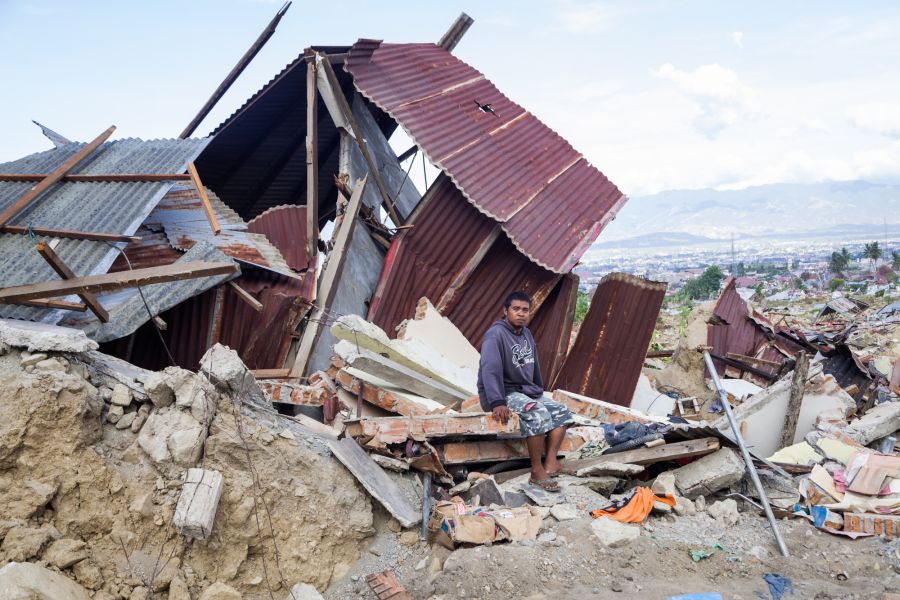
point(576, 565)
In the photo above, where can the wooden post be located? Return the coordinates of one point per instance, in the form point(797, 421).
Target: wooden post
point(459, 28)
point(66, 273)
point(44, 184)
point(75, 235)
point(204, 199)
point(215, 320)
point(312, 161)
point(798, 386)
point(245, 296)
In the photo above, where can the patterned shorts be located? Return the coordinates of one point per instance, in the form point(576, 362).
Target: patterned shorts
point(537, 417)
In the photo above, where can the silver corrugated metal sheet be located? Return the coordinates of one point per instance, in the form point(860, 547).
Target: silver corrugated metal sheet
point(126, 308)
point(118, 208)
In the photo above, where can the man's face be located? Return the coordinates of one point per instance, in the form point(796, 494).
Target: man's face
point(518, 313)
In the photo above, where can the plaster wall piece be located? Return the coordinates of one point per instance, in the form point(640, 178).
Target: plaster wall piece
point(39, 337)
point(412, 354)
point(649, 400)
point(437, 331)
point(397, 374)
point(798, 454)
point(197, 505)
point(879, 421)
point(709, 474)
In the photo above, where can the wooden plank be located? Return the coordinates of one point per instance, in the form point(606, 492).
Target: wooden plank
point(752, 360)
point(312, 161)
point(328, 283)
point(61, 304)
point(456, 31)
point(44, 184)
point(375, 480)
point(116, 281)
point(110, 178)
point(344, 105)
point(271, 373)
point(395, 430)
point(65, 272)
point(245, 296)
point(204, 199)
point(214, 334)
point(235, 72)
point(798, 386)
point(76, 235)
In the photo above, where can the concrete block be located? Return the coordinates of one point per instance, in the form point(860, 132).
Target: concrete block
point(38, 337)
point(879, 421)
point(709, 473)
point(197, 505)
point(613, 534)
point(28, 580)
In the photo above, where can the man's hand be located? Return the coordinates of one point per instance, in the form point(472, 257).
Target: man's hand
point(502, 413)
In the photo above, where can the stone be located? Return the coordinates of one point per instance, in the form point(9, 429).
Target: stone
point(138, 422)
point(664, 484)
point(105, 393)
point(24, 500)
point(178, 589)
point(39, 337)
point(171, 435)
point(121, 395)
point(115, 413)
point(192, 392)
point(710, 473)
point(142, 504)
point(304, 591)
point(760, 553)
point(88, 574)
point(610, 468)
point(28, 581)
point(661, 507)
point(22, 543)
point(50, 365)
point(223, 367)
point(158, 390)
point(220, 591)
point(879, 421)
point(139, 593)
point(126, 420)
point(64, 553)
point(28, 359)
point(700, 503)
point(409, 538)
point(613, 534)
point(564, 512)
point(546, 537)
point(724, 511)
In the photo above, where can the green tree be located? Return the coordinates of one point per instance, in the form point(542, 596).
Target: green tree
point(845, 256)
point(872, 252)
point(581, 306)
point(701, 288)
point(835, 284)
point(895, 260)
point(838, 263)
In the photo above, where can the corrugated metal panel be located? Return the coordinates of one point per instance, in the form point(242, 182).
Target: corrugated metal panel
point(117, 208)
point(425, 259)
point(180, 213)
point(285, 227)
point(152, 251)
point(606, 359)
point(551, 326)
point(507, 163)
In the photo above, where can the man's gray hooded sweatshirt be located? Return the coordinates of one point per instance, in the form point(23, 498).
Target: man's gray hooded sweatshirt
point(509, 363)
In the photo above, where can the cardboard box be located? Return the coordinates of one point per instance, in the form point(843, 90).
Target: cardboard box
point(455, 522)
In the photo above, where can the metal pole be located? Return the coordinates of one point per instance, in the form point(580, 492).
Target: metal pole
point(723, 397)
point(426, 506)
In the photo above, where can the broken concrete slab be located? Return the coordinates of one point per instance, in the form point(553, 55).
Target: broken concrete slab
point(664, 484)
point(610, 468)
point(224, 368)
point(709, 474)
point(197, 505)
point(158, 391)
point(565, 512)
point(398, 374)
point(725, 512)
point(879, 421)
point(435, 330)
point(40, 337)
point(605, 412)
point(613, 534)
point(383, 394)
point(375, 480)
point(171, 435)
point(487, 491)
point(28, 580)
point(542, 497)
point(65, 552)
point(395, 430)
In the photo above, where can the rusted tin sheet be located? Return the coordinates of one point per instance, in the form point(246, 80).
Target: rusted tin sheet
point(606, 359)
point(425, 259)
point(551, 326)
point(549, 199)
point(285, 227)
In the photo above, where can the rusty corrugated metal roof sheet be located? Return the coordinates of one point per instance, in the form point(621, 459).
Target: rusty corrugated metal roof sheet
point(549, 199)
point(606, 359)
point(552, 326)
point(285, 227)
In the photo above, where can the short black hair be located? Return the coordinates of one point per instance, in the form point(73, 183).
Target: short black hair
point(517, 295)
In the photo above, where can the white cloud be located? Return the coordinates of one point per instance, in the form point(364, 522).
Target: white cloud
point(877, 117)
point(738, 38)
point(583, 17)
point(720, 98)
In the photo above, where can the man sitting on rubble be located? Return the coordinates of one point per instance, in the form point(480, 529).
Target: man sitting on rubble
point(509, 381)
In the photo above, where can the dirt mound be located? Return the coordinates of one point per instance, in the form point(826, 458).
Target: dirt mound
point(80, 496)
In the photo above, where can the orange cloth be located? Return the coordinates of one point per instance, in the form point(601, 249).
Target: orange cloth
point(637, 508)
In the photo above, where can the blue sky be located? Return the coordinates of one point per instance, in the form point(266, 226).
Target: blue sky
point(658, 94)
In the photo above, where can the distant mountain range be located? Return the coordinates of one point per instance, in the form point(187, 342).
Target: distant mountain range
point(681, 217)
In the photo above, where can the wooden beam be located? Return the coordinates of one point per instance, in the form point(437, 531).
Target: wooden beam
point(312, 162)
point(245, 296)
point(65, 272)
point(61, 304)
point(235, 72)
point(159, 323)
point(204, 199)
point(119, 178)
point(453, 35)
point(752, 360)
point(44, 184)
point(798, 386)
point(328, 283)
point(116, 281)
point(344, 105)
point(411, 151)
point(214, 334)
point(75, 235)
point(271, 373)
